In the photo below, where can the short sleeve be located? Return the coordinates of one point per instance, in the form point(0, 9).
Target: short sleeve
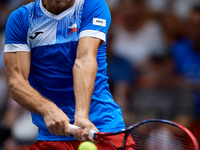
point(96, 19)
point(16, 31)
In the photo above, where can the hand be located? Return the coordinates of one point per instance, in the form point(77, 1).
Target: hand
point(57, 122)
point(82, 133)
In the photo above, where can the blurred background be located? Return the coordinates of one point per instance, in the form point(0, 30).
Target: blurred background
point(153, 57)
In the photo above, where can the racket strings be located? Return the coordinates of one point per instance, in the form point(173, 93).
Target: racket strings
point(159, 136)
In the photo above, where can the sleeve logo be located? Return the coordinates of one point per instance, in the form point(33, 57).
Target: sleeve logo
point(99, 22)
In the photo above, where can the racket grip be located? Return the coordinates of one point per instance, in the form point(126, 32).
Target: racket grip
point(91, 134)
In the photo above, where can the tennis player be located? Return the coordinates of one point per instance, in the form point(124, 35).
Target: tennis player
point(55, 57)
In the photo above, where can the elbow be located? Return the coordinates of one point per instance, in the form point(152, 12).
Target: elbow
point(13, 85)
point(85, 64)
point(78, 63)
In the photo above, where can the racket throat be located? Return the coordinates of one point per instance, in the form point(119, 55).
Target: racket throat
point(124, 141)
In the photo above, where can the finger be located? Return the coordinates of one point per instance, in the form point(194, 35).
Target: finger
point(61, 130)
point(55, 130)
point(51, 131)
point(66, 129)
point(58, 129)
point(92, 140)
point(77, 133)
point(85, 134)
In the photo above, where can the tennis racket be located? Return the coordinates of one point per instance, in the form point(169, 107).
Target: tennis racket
point(153, 134)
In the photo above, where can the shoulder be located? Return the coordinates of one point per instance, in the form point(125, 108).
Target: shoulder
point(18, 24)
point(23, 12)
point(20, 16)
point(99, 6)
point(95, 19)
point(94, 3)
point(19, 13)
point(96, 9)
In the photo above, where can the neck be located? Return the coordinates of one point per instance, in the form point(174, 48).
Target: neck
point(56, 7)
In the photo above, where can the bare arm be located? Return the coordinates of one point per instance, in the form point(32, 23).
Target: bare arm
point(17, 72)
point(84, 72)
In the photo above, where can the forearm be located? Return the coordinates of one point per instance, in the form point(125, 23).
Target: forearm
point(84, 72)
point(22, 92)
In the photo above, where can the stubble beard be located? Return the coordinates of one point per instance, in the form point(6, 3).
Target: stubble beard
point(59, 6)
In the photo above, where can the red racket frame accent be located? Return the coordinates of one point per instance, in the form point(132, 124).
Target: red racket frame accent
point(196, 145)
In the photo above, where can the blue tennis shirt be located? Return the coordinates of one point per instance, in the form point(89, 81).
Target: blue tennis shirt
point(52, 41)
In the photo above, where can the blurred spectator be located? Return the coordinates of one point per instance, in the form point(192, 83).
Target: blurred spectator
point(3, 14)
point(3, 84)
point(137, 35)
point(16, 129)
point(187, 57)
point(157, 5)
point(180, 8)
point(120, 73)
point(113, 4)
point(6, 7)
point(172, 27)
point(187, 51)
point(161, 94)
point(4, 94)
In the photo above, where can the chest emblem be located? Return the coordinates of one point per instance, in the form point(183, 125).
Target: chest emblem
point(36, 34)
point(73, 28)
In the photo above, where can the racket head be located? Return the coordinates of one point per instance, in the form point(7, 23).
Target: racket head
point(163, 135)
point(157, 134)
